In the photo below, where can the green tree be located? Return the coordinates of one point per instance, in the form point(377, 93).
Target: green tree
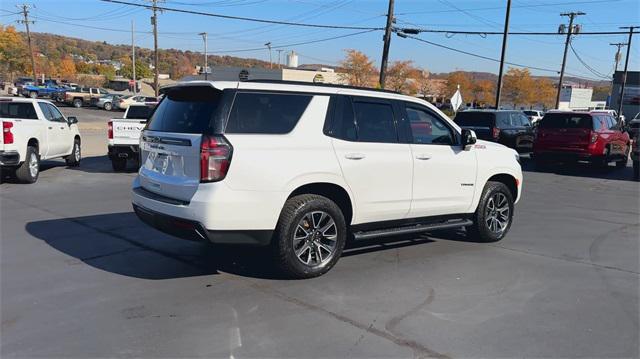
point(142, 71)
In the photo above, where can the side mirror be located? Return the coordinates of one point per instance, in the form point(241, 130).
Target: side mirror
point(468, 138)
point(72, 120)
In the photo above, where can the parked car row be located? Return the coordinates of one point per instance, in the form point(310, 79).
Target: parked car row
point(559, 136)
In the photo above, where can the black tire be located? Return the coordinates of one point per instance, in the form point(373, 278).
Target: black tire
point(24, 173)
point(33, 94)
point(296, 210)
point(108, 106)
point(119, 164)
point(636, 170)
point(73, 160)
point(481, 231)
point(77, 103)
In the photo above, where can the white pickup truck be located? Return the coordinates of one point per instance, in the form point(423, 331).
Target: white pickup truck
point(124, 135)
point(34, 130)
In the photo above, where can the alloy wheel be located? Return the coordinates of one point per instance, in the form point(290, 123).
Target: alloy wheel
point(315, 238)
point(33, 165)
point(497, 213)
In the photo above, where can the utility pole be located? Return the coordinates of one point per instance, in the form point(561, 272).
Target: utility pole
point(206, 66)
point(279, 52)
point(619, 45)
point(154, 22)
point(25, 12)
point(387, 43)
point(504, 50)
point(571, 16)
point(268, 45)
point(626, 66)
point(133, 59)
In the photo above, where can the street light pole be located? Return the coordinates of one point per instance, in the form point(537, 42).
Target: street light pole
point(206, 66)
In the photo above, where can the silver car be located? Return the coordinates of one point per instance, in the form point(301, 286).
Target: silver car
point(107, 102)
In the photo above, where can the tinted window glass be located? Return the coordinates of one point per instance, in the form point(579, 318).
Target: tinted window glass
point(139, 112)
point(566, 120)
point(267, 113)
point(475, 119)
point(375, 122)
point(18, 110)
point(427, 128)
point(524, 120)
point(46, 112)
point(189, 109)
point(531, 113)
point(57, 116)
point(343, 125)
point(503, 119)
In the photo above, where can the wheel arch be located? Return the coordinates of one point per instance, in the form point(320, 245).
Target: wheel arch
point(508, 180)
point(332, 191)
point(33, 142)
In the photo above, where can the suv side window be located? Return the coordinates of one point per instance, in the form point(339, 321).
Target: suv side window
point(57, 116)
point(343, 125)
point(46, 112)
point(375, 121)
point(266, 113)
point(426, 128)
point(503, 120)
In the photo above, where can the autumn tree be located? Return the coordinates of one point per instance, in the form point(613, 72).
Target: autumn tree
point(422, 82)
point(14, 58)
point(544, 92)
point(518, 87)
point(67, 68)
point(400, 77)
point(483, 92)
point(358, 69)
point(462, 79)
point(142, 71)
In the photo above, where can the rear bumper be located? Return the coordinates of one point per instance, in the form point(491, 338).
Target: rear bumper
point(9, 158)
point(123, 151)
point(195, 231)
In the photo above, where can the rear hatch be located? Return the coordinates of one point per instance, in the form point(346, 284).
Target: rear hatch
point(482, 123)
point(565, 131)
point(170, 144)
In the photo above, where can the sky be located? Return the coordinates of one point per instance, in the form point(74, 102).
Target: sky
point(103, 21)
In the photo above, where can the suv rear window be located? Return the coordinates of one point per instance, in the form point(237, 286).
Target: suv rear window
point(188, 109)
point(266, 113)
point(22, 110)
point(475, 119)
point(139, 112)
point(567, 120)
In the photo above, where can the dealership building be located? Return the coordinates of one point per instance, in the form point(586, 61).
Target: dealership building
point(631, 100)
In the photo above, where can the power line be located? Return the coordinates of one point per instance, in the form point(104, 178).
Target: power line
point(591, 69)
point(502, 7)
point(485, 33)
point(493, 59)
point(164, 8)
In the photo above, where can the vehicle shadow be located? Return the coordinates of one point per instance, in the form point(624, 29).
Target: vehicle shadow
point(579, 169)
point(102, 164)
point(120, 243)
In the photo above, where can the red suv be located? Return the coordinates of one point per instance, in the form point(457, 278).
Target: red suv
point(581, 136)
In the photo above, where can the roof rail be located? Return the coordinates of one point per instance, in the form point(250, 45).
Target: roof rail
point(302, 83)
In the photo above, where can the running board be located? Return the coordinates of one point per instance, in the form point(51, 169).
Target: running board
point(364, 235)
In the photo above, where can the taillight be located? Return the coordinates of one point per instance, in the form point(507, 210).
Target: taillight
point(7, 136)
point(215, 158)
point(594, 137)
point(495, 133)
point(110, 132)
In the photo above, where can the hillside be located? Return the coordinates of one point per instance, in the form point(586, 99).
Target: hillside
point(477, 76)
point(175, 62)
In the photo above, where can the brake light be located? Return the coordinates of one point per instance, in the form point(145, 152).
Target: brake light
point(495, 133)
point(215, 158)
point(7, 136)
point(110, 132)
point(594, 137)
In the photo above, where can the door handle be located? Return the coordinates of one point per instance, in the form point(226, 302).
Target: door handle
point(62, 128)
point(423, 156)
point(355, 156)
point(50, 127)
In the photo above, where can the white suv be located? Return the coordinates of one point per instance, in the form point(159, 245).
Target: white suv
point(304, 167)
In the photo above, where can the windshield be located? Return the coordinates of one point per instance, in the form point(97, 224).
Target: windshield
point(567, 120)
point(475, 119)
point(139, 112)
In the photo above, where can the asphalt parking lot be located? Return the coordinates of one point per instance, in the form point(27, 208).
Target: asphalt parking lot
point(81, 276)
